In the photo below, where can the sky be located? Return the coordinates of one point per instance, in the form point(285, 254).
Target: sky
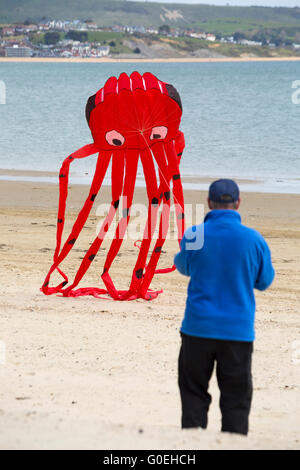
point(267, 3)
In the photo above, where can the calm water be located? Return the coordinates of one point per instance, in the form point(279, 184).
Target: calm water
point(238, 119)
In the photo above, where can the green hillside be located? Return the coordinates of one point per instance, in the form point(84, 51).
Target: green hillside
point(107, 13)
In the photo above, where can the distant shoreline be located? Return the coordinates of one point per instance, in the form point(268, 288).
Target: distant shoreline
point(157, 60)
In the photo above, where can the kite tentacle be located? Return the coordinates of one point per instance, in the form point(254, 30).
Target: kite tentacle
point(117, 172)
point(165, 217)
point(101, 167)
point(153, 206)
point(174, 174)
point(163, 225)
point(131, 163)
point(178, 147)
point(177, 188)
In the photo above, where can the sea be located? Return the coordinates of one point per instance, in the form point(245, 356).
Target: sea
point(240, 119)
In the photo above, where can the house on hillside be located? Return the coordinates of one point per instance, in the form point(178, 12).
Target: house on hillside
point(210, 37)
point(8, 31)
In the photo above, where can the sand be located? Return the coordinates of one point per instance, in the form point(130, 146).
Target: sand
point(152, 60)
point(88, 373)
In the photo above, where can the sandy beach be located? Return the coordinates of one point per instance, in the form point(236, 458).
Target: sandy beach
point(152, 60)
point(86, 373)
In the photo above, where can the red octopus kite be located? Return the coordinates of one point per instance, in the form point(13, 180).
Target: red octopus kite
point(132, 117)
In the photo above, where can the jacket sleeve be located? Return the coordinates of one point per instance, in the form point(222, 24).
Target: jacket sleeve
point(266, 271)
point(181, 260)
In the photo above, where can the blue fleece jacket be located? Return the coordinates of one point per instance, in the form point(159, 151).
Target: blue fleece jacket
point(233, 260)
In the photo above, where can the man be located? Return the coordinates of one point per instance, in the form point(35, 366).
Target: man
point(218, 324)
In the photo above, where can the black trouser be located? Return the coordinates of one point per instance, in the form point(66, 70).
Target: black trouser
point(196, 363)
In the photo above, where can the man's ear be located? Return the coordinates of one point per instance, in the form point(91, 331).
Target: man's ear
point(238, 202)
point(209, 203)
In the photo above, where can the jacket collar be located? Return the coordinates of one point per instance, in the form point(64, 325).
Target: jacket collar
point(224, 214)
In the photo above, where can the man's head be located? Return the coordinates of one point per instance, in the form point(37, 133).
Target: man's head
point(224, 194)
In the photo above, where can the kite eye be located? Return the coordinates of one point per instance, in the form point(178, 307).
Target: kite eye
point(114, 138)
point(158, 133)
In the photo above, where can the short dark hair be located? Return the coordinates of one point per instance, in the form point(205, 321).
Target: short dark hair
point(223, 205)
